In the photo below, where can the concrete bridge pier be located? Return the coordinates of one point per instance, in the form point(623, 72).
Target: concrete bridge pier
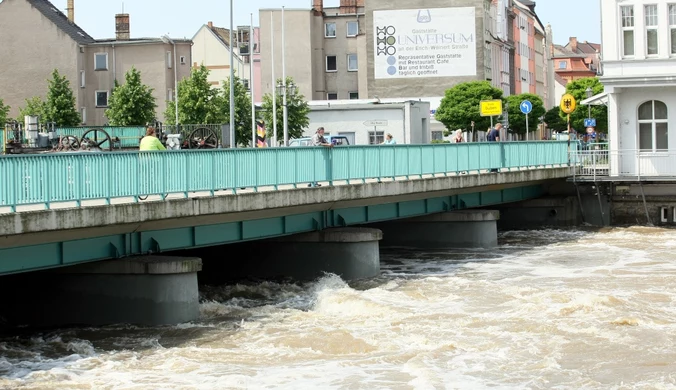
point(351, 253)
point(144, 290)
point(453, 229)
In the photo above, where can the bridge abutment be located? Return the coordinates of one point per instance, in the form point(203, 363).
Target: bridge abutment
point(460, 229)
point(144, 290)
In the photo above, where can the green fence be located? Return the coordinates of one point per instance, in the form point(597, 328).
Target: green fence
point(59, 177)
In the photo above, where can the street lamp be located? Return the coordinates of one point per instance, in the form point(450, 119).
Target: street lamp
point(283, 90)
point(168, 40)
point(589, 93)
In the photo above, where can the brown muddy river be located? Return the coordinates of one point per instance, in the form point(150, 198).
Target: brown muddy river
point(547, 309)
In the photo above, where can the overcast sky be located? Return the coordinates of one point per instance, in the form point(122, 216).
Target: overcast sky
point(182, 18)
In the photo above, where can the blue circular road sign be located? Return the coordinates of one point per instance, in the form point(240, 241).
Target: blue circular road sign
point(526, 107)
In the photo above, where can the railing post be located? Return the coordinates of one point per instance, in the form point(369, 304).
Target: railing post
point(330, 170)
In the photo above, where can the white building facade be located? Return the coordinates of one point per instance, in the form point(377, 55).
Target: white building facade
point(367, 122)
point(639, 75)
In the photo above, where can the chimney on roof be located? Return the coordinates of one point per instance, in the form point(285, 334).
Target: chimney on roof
point(348, 6)
point(210, 24)
point(122, 27)
point(572, 41)
point(70, 10)
point(318, 6)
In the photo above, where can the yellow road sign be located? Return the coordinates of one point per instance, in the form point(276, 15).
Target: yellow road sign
point(490, 107)
point(568, 103)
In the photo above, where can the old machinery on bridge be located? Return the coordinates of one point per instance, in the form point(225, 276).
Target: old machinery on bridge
point(33, 137)
point(96, 140)
point(202, 138)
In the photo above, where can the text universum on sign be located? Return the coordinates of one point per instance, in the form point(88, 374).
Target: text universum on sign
point(446, 47)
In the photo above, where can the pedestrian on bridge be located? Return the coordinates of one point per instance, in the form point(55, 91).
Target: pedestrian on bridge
point(319, 140)
point(150, 141)
point(494, 136)
point(458, 137)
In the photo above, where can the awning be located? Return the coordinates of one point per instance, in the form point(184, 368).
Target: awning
point(596, 100)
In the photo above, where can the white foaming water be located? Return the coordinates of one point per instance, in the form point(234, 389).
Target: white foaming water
point(547, 309)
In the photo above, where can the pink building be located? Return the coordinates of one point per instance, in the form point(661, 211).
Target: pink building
point(525, 59)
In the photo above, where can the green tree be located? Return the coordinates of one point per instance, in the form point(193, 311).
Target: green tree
point(131, 104)
point(517, 119)
point(242, 110)
point(198, 103)
point(554, 120)
point(4, 111)
point(35, 106)
point(60, 106)
point(460, 105)
point(297, 111)
point(578, 89)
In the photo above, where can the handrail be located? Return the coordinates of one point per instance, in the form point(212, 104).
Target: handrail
point(74, 177)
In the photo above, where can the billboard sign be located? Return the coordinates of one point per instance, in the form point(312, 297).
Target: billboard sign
point(434, 42)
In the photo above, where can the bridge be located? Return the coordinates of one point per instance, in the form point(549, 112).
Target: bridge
point(63, 209)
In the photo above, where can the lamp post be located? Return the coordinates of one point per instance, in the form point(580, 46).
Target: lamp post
point(285, 112)
point(168, 40)
point(283, 90)
point(589, 93)
point(232, 80)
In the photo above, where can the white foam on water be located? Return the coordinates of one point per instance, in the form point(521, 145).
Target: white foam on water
point(548, 309)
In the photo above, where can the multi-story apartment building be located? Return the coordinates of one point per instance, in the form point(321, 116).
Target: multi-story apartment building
point(38, 38)
point(529, 59)
point(500, 45)
point(639, 58)
point(211, 48)
point(324, 49)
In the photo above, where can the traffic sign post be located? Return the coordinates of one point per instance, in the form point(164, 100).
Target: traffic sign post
point(490, 108)
point(375, 124)
point(568, 105)
point(526, 107)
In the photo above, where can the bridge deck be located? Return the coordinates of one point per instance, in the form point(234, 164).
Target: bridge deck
point(78, 179)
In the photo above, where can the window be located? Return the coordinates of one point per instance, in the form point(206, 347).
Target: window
point(182, 60)
point(651, 30)
point(672, 27)
point(627, 30)
point(653, 132)
point(352, 65)
point(82, 79)
point(332, 96)
point(562, 64)
point(331, 65)
point(101, 99)
point(376, 137)
point(83, 115)
point(245, 82)
point(330, 30)
point(101, 61)
point(170, 95)
point(169, 59)
point(352, 29)
point(437, 136)
point(354, 95)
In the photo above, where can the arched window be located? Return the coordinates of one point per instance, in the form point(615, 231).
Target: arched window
point(653, 134)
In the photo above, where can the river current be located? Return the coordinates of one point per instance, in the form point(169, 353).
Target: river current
point(547, 309)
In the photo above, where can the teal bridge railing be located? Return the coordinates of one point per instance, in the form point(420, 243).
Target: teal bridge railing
point(74, 177)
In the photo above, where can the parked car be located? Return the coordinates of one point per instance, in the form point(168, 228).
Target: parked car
point(336, 140)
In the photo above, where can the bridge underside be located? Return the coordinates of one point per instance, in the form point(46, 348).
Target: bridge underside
point(31, 250)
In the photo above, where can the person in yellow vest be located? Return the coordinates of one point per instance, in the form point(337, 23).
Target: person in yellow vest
point(150, 141)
